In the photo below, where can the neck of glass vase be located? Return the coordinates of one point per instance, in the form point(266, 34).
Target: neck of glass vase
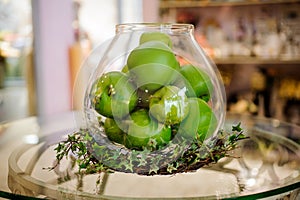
point(169, 28)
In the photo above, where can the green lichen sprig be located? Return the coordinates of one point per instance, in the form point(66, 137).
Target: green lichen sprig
point(200, 154)
point(76, 146)
point(197, 155)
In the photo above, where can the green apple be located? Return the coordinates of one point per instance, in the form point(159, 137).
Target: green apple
point(152, 65)
point(113, 131)
point(125, 69)
point(144, 132)
point(158, 36)
point(114, 95)
point(169, 105)
point(198, 82)
point(200, 123)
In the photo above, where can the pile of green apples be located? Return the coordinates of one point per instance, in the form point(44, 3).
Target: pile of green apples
point(153, 98)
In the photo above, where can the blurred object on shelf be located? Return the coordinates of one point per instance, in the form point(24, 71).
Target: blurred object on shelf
point(269, 32)
point(201, 39)
point(187, 18)
point(244, 105)
point(290, 25)
point(280, 109)
point(216, 38)
point(258, 81)
point(269, 46)
point(289, 89)
point(292, 111)
point(267, 42)
point(226, 77)
point(261, 106)
point(241, 89)
point(258, 85)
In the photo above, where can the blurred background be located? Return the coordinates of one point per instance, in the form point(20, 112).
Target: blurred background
point(254, 43)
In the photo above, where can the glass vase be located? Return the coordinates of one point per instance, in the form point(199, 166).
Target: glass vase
point(149, 93)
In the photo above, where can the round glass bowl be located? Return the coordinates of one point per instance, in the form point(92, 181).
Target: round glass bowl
point(152, 94)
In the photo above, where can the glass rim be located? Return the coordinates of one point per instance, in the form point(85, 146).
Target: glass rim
point(174, 27)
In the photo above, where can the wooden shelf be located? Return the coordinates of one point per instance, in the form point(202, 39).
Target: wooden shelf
point(212, 3)
point(256, 60)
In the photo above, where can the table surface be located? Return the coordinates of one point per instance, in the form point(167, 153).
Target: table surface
point(29, 130)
